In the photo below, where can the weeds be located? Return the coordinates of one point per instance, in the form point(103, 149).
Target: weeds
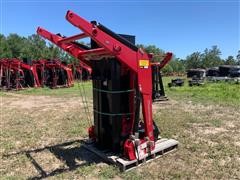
point(205, 120)
point(222, 93)
point(77, 90)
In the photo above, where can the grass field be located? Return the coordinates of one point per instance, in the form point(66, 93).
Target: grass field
point(41, 129)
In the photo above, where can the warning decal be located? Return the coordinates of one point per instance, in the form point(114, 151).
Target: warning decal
point(144, 63)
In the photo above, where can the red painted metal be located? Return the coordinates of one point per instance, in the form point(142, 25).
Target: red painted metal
point(81, 70)
point(139, 62)
point(12, 73)
point(91, 132)
point(53, 65)
point(73, 38)
point(129, 150)
point(166, 58)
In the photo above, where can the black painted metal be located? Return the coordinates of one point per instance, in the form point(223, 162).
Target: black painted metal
point(127, 40)
point(157, 83)
point(110, 101)
point(108, 106)
point(28, 78)
point(137, 111)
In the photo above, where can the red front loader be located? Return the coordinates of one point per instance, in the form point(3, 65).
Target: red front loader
point(122, 87)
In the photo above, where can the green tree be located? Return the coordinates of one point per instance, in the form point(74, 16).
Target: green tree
point(5, 51)
point(52, 52)
point(15, 44)
point(238, 58)
point(35, 48)
point(230, 60)
point(211, 57)
point(154, 50)
point(194, 60)
point(167, 69)
point(177, 65)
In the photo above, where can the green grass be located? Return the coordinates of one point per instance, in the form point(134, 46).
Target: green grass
point(216, 122)
point(207, 133)
point(76, 90)
point(3, 93)
point(222, 93)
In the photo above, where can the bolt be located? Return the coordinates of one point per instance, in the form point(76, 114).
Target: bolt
point(94, 32)
point(70, 15)
point(117, 48)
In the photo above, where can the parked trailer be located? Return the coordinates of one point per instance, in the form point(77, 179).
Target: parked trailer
point(224, 73)
point(196, 76)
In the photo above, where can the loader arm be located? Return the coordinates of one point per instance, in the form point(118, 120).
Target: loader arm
point(122, 79)
point(134, 58)
point(164, 62)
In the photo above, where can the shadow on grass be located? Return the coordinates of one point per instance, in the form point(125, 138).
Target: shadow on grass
point(67, 152)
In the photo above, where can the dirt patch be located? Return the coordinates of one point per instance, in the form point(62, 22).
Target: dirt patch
point(164, 104)
point(43, 103)
point(47, 161)
point(208, 135)
point(211, 130)
point(237, 143)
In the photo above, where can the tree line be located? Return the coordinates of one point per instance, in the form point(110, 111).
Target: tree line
point(210, 57)
point(35, 47)
point(32, 47)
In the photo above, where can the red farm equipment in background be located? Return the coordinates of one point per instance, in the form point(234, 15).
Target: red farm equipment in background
point(53, 73)
point(81, 71)
point(15, 74)
point(122, 82)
